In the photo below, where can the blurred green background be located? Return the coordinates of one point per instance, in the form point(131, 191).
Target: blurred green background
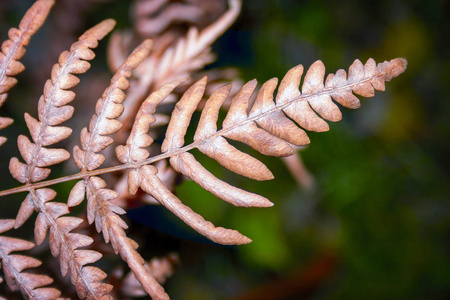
point(376, 224)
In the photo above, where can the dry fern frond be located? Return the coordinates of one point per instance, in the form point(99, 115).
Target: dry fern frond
point(53, 109)
point(14, 49)
point(145, 177)
point(32, 286)
point(100, 210)
point(193, 52)
point(178, 59)
point(266, 128)
point(153, 17)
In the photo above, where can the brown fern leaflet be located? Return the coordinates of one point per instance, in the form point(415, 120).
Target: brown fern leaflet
point(270, 124)
point(14, 49)
point(31, 285)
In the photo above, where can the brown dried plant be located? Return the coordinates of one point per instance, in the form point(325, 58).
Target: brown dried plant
point(270, 126)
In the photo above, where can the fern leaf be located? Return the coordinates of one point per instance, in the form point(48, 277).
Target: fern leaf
point(100, 210)
point(108, 109)
point(260, 129)
point(278, 124)
point(146, 177)
point(187, 165)
point(220, 150)
point(154, 17)
point(265, 128)
point(193, 53)
point(65, 244)
point(53, 109)
point(250, 134)
point(152, 185)
point(32, 286)
point(102, 124)
point(186, 56)
point(138, 140)
point(13, 49)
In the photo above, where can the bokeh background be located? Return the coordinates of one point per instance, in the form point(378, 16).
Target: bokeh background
point(375, 223)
